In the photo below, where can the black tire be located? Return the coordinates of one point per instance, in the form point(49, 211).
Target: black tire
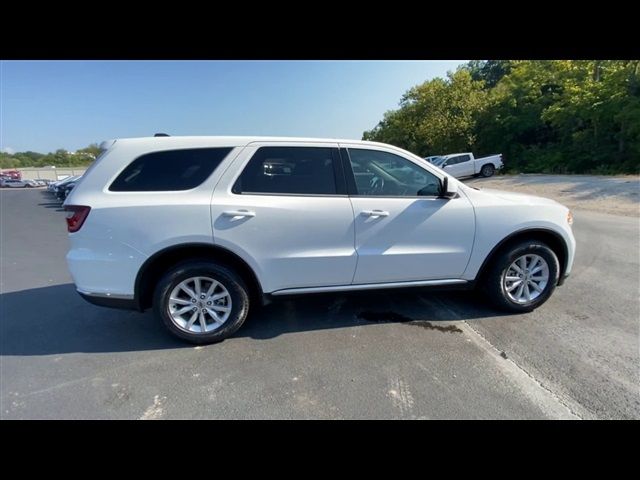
point(487, 170)
point(492, 284)
point(226, 276)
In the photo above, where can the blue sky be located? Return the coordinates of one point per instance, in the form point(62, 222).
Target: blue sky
point(47, 105)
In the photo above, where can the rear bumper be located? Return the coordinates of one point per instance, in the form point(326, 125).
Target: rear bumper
point(122, 302)
point(103, 268)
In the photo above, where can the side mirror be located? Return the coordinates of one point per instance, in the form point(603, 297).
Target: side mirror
point(448, 189)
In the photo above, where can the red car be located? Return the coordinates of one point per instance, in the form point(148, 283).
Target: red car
point(12, 174)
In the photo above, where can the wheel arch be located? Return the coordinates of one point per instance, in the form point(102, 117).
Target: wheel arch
point(553, 239)
point(495, 167)
point(158, 263)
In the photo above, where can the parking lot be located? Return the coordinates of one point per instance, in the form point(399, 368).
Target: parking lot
point(413, 354)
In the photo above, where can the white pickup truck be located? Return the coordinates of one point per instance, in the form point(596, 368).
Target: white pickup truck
point(465, 165)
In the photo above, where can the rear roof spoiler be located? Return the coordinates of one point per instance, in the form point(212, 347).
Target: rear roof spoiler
point(107, 144)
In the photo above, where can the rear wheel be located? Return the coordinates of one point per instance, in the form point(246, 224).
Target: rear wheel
point(522, 277)
point(487, 170)
point(201, 302)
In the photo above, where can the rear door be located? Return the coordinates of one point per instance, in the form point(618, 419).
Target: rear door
point(283, 208)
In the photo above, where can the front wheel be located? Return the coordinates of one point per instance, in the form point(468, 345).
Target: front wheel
point(487, 170)
point(523, 277)
point(201, 302)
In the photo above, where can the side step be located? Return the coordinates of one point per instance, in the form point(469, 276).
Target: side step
point(370, 286)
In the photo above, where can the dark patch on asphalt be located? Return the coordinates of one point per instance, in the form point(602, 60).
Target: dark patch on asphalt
point(389, 316)
point(430, 326)
point(503, 355)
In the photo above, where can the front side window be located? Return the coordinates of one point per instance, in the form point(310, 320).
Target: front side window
point(289, 170)
point(458, 159)
point(386, 174)
point(169, 170)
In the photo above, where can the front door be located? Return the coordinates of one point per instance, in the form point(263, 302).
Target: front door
point(404, 232)
point(460, 166)
point(285, 210)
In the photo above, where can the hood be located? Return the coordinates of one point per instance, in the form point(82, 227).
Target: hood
point(521, 198)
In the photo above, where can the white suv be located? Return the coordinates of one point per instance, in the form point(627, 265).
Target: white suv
point(200, 228)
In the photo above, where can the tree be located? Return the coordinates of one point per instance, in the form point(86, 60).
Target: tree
point(569, 116)
point(59, 158)
point(435, 117)
point(488, 71)
point(92, 150)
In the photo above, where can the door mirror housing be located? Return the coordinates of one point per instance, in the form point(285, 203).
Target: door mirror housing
point(448, 189)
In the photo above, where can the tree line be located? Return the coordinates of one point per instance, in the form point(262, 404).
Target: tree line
point(567, 116)
point(59, 158)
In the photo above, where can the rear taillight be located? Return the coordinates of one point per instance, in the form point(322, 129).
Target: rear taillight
point(76, 216)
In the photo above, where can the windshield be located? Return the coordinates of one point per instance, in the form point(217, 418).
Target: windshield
point(437, 161)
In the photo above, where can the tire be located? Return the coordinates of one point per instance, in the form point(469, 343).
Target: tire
point(487, 170)
point(494, 283)
point(231, 283)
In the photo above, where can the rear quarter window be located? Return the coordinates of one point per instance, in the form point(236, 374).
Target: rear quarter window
point(169, 170)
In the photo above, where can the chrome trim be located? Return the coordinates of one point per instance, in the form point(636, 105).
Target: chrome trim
point(369, 286)
point(104, 295)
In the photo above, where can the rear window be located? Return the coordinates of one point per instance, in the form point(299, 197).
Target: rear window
point(289, 171)
point(169, 170)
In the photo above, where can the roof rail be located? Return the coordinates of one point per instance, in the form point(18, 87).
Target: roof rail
point(162, 135)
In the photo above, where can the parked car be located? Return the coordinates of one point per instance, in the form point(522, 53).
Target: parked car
point(52, 185)
point(31, 183)
point(203, 229)
point(60, 185)
point(14, 183)
point(465, 165)
point(11, 174)
point(63, 191)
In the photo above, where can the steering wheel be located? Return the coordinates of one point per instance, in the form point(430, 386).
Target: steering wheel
point(376, 185)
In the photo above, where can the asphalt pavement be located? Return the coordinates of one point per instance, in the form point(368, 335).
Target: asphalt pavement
point(413, 354)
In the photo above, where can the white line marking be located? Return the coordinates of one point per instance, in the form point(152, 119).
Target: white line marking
point(552, 404)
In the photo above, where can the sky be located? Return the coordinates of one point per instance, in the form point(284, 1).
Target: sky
point(46, 105)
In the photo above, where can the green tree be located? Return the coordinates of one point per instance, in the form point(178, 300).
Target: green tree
point(435, 117)
point(598, 115)
point(59, 158)
point(569, 116)
point(92, 150)
point(488, 71)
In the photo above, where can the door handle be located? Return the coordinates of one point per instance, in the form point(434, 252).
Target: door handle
point(239, 213)
point(375, 213)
